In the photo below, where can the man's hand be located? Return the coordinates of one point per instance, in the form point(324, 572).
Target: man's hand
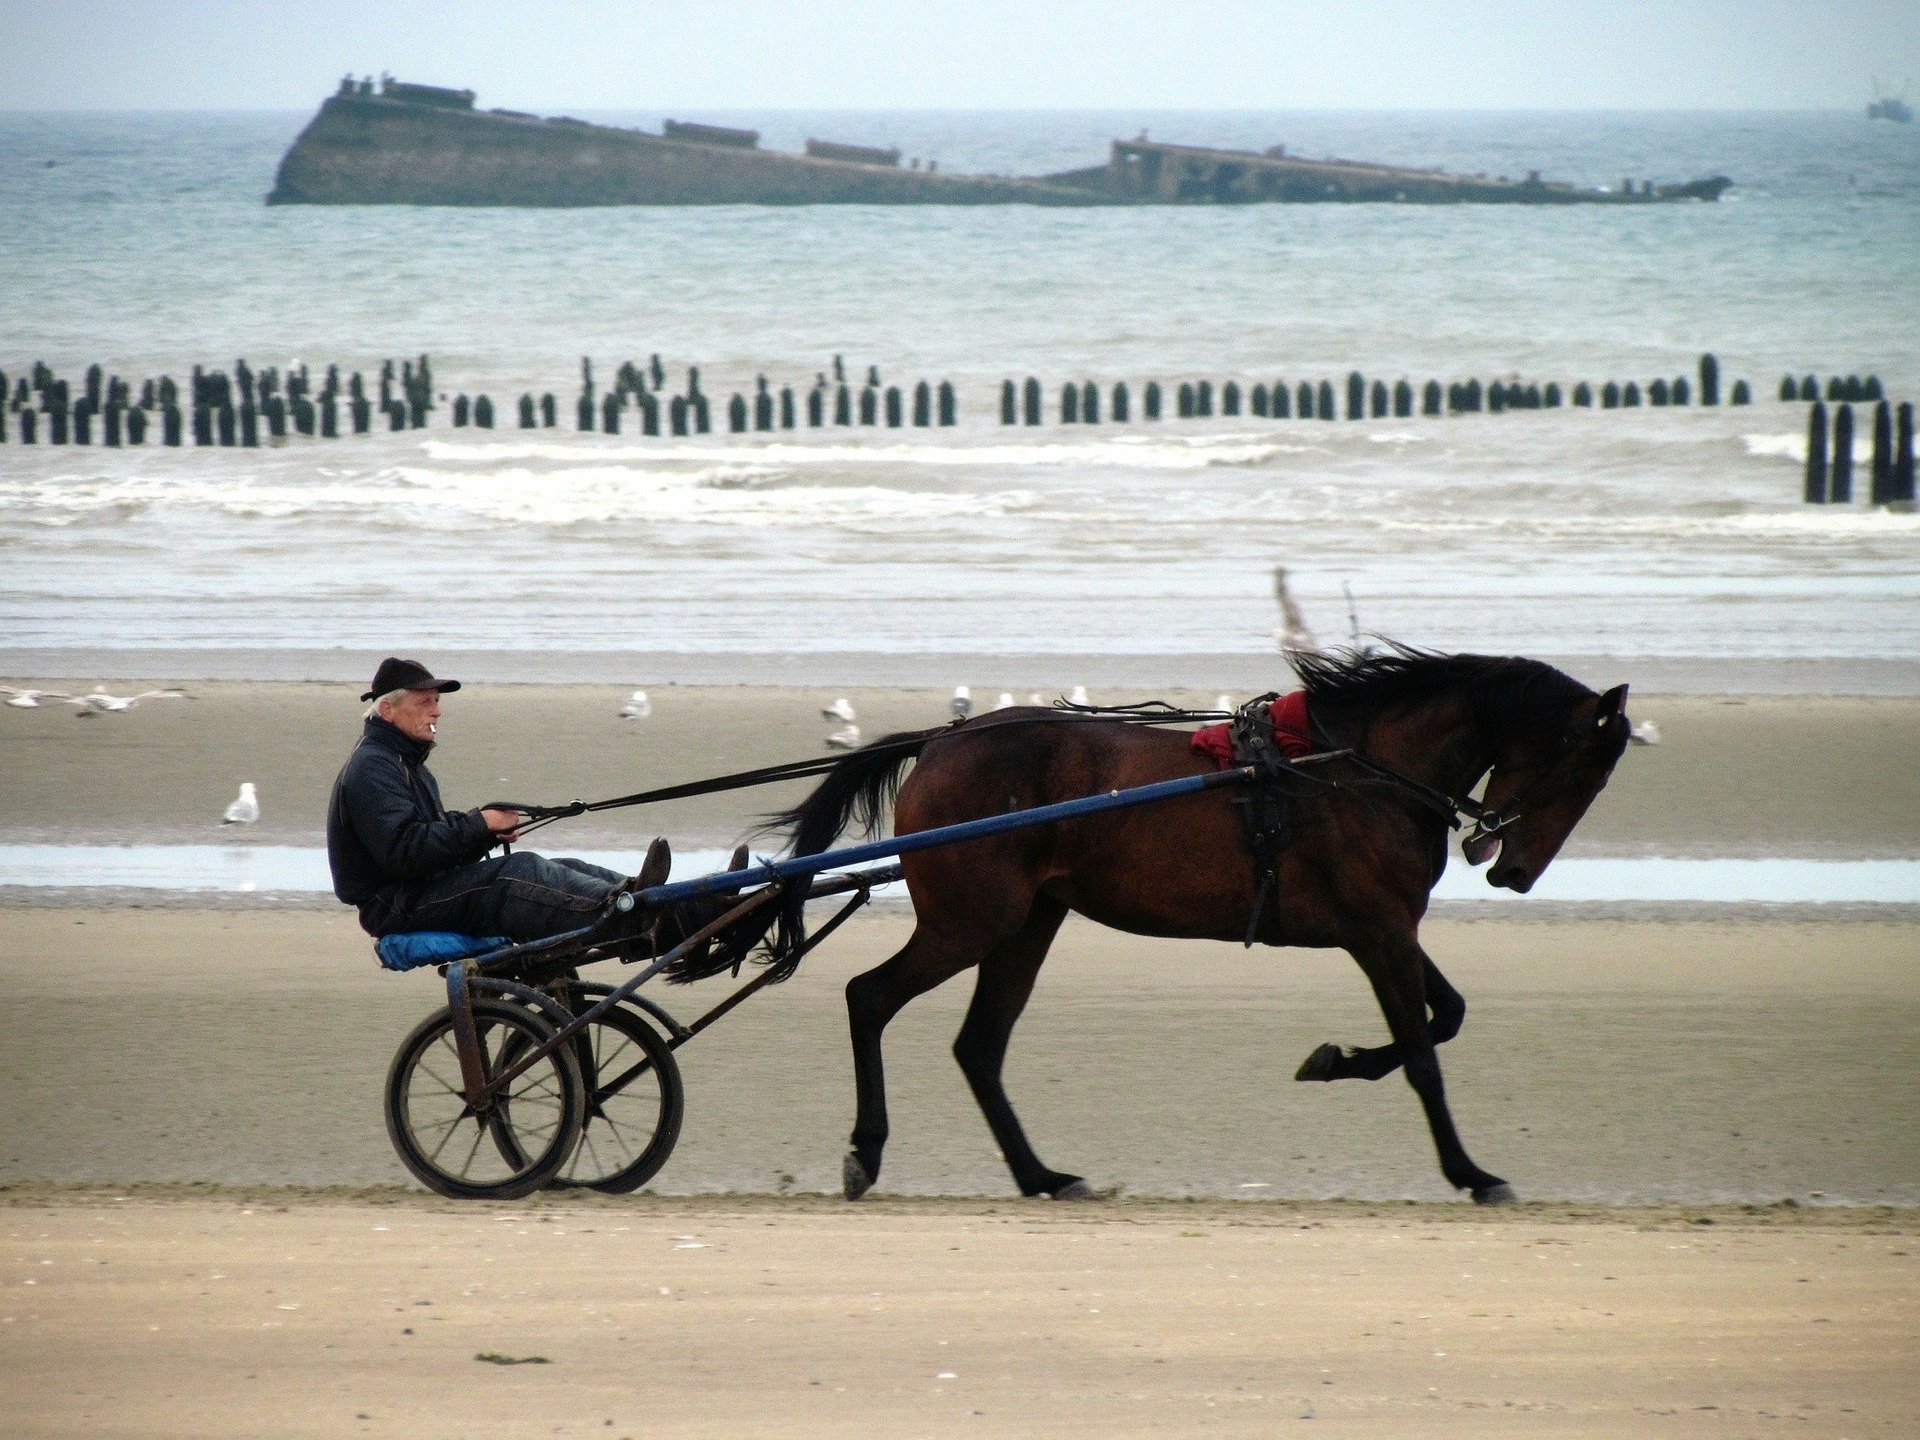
point(505, 824)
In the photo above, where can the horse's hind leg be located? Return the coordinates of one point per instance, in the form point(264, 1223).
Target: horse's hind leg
point(873, 999)
point(1446, 1007)
point(1000, 994)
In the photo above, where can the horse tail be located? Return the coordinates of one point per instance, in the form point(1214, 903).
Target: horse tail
point(857, 791)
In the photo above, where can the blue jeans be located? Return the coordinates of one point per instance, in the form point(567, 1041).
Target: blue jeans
point(522, 896)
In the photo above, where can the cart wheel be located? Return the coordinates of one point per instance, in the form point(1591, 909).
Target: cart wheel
point(635, 1101)
point(457, 1152)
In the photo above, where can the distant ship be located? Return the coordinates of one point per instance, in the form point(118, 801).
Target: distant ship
point(1890, 107)
point(410, 144)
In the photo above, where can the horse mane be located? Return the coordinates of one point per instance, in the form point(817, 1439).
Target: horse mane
point(1507, 693)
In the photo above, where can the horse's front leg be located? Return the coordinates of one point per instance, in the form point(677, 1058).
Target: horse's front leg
point(1446, 1009)
point(1394, 968)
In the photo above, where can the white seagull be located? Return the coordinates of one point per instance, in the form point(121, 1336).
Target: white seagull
point(1005, 702)
point(638, 707)
point(1079, 696)
point(961, 705)
point(1645, 733)
point(30, 699)
point(246, 809)
point(841, 709)
point(101, 703)
point(1225, 702)
point(847, 737)
point(1036, 698)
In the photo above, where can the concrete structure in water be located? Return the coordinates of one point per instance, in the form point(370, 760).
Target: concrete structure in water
point(424, 145)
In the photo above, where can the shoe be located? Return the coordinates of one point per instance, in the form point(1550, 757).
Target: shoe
point(624, 919)
point(655, 868)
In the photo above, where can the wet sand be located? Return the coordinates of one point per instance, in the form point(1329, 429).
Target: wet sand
point(235, 1314)
point(1618, 1062)
point(1811, 776)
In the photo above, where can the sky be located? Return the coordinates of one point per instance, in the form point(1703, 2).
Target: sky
point(974, 54)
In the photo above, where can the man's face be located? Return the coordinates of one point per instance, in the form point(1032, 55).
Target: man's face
point(415, 715)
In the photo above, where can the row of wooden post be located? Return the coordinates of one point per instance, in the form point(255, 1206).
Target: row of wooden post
point(218, 409)
point(1829, 476)
point(1080, 402)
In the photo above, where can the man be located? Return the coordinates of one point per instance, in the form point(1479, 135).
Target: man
point(408, 865)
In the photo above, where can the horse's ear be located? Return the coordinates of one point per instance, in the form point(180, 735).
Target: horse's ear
point(1613, 703)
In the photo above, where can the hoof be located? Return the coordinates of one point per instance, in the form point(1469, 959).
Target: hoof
point(854, 1179)
point(1319, 1065)
point(1498, 1193)
point(1078, 1189)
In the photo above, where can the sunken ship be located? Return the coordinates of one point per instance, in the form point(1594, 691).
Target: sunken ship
point(408, 144)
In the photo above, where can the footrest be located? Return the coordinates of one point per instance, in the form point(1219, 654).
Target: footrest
point(432, 947)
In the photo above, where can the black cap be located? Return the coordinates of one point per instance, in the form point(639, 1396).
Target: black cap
point(395, 674)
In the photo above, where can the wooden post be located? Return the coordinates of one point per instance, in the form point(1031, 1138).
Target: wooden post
point(1789, 390)
point(361, 408)
point(1089, 404)
point(1880, 487)
point(1070, 404)
point(1326, 406)
point(922, 405)
point(1815, 492)
point(482, 412)
point(1657, 392)
point(1183, 400)
point(1257, 400)
point(610, 412)
point(650, 413)
point(249, 426)
point(677, 414)
point(30, 426)
point(1009, 404)
point(737, 413)
point(110, 426)
point(1679, 393)
point(1709, 380)
point(1496, 397)
point(894, 412)
point(1610, 395)
point(1230, 398)
point(702, 413)
point(1122, 403)
point(763, 408)
point(949, 404)
point(329, 415)
point(549, 411)
point(584, 411)
point(136, 426)
point(1377, 396)
point(227, 423)
point(842, 404)
point(202, 426)
point(1809, 388)
point(1902, 486)
point(171, 426)
point(1402, 399)
point(1430, 398)
point(1872, 390)
point(1629, 395)
point(1150, 401)
point(1742, 393)
point(527, 420)
point(1840, 476)
point(1305, 397)
point(1356, 395)
point(816, 407)
point(1030, 401)
point(1282, 404)
point(1550, 397)
point(869, 405)
point(1203, 399)
point(786, 407)
point(460, 411)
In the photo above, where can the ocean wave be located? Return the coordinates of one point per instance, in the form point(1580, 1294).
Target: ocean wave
point(1133, 451)
point(1784, 447)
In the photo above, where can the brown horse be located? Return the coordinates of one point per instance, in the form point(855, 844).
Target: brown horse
point(1366, 848)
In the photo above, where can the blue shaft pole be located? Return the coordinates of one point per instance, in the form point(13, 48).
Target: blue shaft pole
point(733, 880)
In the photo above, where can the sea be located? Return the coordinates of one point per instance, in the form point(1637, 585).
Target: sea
point(142, 243)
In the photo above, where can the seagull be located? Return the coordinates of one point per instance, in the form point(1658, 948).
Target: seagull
point(1005, 702)
point(1293, 633)
point(841, 709)
point(1034, 697)
point(246, 809)
point(961, 705)
point(101, 703)
point(638, 707)
point(1079, 696)
point(1645, 733)
point(847, 737)
point(1225, 702)
point(30, 699)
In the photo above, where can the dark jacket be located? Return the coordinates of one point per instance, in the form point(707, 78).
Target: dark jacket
point(387, 830)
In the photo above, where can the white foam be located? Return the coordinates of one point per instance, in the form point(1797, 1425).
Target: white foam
point(1785, 447)
point(1134, 451)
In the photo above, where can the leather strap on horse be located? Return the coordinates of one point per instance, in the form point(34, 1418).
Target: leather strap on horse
point(1265, 813)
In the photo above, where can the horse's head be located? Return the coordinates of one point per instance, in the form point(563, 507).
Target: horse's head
point(1540, 787)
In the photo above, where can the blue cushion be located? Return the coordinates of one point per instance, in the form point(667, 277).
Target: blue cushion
point(432, 947)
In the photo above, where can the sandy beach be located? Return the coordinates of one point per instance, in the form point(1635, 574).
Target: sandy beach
point(251, 1313)
point(1814, 776)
